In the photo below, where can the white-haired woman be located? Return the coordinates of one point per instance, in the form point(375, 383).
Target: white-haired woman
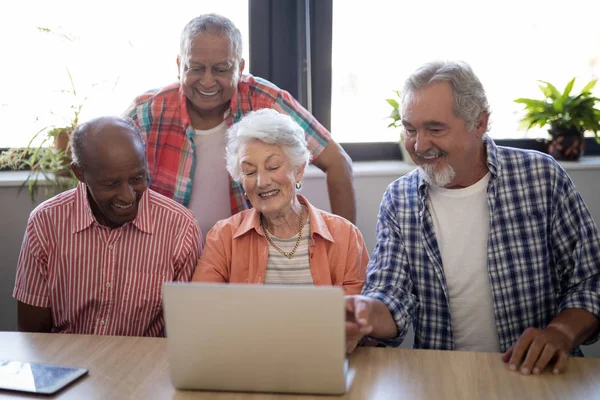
point(283, 239)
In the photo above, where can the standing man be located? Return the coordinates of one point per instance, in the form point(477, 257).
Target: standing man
point(482, 247)
point(94, 258)
point(184, 125)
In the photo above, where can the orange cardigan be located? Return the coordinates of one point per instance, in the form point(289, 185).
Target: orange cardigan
point(236, 251)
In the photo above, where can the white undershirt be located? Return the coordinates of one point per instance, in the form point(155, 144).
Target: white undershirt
point(461, 221)
point(209, 200)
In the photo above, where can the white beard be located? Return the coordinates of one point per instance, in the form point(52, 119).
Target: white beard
point(435, 177)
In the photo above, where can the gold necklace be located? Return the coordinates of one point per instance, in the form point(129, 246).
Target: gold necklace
point(288, 254)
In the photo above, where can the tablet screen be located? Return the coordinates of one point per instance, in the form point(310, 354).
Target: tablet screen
point(35, 377)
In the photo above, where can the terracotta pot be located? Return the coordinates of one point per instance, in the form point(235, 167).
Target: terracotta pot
point(61, 141)
point(566, 143)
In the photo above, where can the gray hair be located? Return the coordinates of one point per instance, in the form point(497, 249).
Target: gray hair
point(212, 23)
point(77, 140)
point(470, 100)
point(268, 126)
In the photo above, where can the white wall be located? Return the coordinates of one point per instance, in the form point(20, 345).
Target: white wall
point(370, 181)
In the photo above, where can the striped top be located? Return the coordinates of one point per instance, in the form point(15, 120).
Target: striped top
point(290, 271)
point(164, 120)
point(105, 281)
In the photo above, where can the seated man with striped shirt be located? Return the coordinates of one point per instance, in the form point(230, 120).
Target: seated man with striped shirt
point(94, 258)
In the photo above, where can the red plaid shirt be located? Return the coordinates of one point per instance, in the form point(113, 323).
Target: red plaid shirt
point(104, 281)
point(163, 118)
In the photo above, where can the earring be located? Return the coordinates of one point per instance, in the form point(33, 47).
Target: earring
point(246, 196)
point(299, 185)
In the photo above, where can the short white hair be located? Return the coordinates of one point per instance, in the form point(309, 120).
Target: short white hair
point(211, 23)
point(271, 127)
point(470, 100)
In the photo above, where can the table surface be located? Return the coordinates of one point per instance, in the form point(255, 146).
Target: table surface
point(137, 368)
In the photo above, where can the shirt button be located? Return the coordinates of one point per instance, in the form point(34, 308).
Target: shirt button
point(102, 322)
point(110, 247)
point(108, 285)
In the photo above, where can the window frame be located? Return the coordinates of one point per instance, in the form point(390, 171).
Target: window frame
point(290, 44)
point(279, 54)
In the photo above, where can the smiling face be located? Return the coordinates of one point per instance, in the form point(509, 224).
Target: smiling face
point(115, 172)
point(269, 179)
point(447, 153)
point(209, 73)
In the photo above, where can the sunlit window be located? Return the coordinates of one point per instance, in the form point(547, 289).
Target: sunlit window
point(112, 50)
point(509, 44)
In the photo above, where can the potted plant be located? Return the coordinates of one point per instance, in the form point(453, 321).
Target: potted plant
point(397, 123)
point(47, 155)
point(567, 115)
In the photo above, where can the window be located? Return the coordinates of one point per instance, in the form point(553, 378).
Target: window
point(509, 44)
point(114, 50)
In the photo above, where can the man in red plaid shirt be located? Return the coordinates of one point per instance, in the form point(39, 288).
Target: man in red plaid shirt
point(185, 126)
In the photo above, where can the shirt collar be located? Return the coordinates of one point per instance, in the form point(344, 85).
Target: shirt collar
point(143, 220)
point(186, 122)
point(317, 224)
point(492, 156)
point(84, 217)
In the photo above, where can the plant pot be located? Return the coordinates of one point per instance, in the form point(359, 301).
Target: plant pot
point(566, 144)
point(62, 144)
point(61, 140)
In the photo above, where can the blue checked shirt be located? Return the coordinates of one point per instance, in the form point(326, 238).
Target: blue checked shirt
point(543, 251)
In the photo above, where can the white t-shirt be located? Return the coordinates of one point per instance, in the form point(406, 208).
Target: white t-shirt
point(461, 221)
point(209, 200)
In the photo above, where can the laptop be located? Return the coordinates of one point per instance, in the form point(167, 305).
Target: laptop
point(256, 338)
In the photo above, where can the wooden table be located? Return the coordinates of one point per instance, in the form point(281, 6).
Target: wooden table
point(136, 368)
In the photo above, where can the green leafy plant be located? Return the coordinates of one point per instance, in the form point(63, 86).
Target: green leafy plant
point(395, 114)
point(396, 122)
point(50, 158)
point(48, 153)
point(563, 111)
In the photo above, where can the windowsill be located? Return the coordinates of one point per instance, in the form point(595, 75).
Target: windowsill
point(375, 151)
point(15, 178)
point(589, 162)
point(398, 168)
point(361, 169)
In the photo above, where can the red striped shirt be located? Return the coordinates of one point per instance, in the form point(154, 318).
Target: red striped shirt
point(105, 281)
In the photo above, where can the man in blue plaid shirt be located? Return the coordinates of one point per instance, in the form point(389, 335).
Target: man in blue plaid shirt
point(482, 247)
